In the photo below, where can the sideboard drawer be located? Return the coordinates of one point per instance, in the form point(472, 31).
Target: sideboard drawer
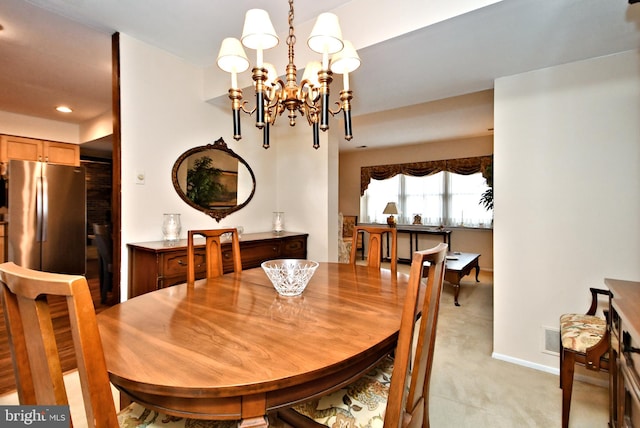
point(254, 254)
point(295, 248)
point(175, 263)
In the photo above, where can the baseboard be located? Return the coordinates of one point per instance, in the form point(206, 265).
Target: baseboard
point(598, 378)
point(525, 363)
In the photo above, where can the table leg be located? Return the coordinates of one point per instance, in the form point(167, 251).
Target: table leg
point(411, 245)
point(253, 406)
point(254, 423)
point(477, 271)
point(456, 291)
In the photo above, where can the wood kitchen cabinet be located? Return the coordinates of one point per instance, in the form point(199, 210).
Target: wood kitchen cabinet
point(154, 265)
point(624, 372)
point(30, 149)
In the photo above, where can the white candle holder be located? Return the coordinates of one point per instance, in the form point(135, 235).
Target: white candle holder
point(171, 227)
point(278, 221)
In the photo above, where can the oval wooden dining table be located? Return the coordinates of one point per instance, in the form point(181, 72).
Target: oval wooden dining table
point(232, 348)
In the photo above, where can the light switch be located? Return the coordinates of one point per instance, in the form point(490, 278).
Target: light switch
point(139, 177)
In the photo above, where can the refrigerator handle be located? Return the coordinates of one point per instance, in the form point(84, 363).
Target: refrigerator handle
point(42, 204)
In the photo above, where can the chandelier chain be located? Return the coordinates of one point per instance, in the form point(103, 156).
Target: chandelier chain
point(291, 38)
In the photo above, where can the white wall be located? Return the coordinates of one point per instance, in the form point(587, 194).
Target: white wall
point(302, 184)
point(164, 114)
point(34, 127)
point(566, 176)
point(99, 127)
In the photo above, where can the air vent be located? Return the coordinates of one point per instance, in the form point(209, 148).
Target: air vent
point(551, 340)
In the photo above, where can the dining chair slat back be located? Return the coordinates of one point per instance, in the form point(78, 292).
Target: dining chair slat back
point(214, 259)
point(418, 370)
point(374, 238)
point(405, 403)
point(26, 296)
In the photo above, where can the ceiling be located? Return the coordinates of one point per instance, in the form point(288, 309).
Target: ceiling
point(435, 72)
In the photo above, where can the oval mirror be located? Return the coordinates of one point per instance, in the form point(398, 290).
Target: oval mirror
point(213, 179)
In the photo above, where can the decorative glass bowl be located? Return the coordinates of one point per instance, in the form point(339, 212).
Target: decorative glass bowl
point(289, 276)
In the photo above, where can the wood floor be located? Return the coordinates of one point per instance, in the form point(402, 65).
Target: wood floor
point(61, 324)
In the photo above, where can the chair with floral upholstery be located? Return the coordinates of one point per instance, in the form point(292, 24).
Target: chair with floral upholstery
point(348, 223)
point(584, 340)
point(396, 391)
point(213, 252)
point(26, 296)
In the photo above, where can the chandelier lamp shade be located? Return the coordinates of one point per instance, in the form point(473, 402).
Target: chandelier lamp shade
point(274, 96)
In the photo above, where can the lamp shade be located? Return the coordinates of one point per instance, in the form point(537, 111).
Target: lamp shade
point(272, 74)
point(311, 73)
point(231, 57)
point(345, 61)
point(326, 36)
point(258, 31)
point(391, 208)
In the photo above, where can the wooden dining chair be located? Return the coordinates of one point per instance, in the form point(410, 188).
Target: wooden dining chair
point(26, 298)
point(370, 399)
point(584, 340)
point(375, 241)
point(213, 252)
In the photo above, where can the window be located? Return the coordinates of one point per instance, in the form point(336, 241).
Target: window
point(444, 198)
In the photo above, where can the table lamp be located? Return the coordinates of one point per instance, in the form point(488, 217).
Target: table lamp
point(392, 209)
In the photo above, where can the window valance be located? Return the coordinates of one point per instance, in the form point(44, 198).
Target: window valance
point(463, 166)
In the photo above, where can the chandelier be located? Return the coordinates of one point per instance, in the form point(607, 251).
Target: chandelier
point(310, 98)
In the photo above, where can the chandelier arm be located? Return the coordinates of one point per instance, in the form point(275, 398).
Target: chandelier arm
point(273, 106)
point(313, 94)
point(309, 113)
point(334, 112)
point(249, 112)
point(273, 94)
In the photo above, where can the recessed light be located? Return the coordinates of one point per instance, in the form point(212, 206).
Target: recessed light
point(64, 109)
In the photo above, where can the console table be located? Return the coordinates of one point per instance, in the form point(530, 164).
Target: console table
point(417, 230)
point(624, 374)
point(154, 265)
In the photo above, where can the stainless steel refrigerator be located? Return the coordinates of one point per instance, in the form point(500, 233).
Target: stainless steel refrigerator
point(47, 217)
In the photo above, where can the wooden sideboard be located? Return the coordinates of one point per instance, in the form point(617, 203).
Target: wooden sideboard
point(624, 372)
point(155, 265)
